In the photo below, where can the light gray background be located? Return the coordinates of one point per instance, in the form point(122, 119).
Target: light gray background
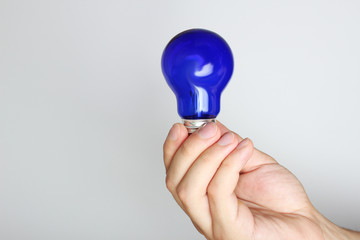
point(84, 109)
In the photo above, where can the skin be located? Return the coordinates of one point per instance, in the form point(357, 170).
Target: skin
point(231, 190)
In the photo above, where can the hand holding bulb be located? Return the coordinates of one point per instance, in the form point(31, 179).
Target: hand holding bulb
point(231, 190)
point(228, 188)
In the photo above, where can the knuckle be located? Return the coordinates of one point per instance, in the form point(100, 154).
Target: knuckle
point(170, 185)
point(184, 195)
point(214, 189)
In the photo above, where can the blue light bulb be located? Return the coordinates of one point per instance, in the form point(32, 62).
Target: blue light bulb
point(197, 65)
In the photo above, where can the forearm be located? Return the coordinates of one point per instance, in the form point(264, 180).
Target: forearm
point(352, 235)
point(333, 232)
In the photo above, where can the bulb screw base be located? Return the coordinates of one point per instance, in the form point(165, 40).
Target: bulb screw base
point(193, 124)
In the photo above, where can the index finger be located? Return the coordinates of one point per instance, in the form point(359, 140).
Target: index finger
point(177, 135)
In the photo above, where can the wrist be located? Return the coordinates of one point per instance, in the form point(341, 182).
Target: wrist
point(333, 232)
point(352, 234)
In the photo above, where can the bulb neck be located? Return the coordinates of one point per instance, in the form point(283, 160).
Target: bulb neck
point(193, 124)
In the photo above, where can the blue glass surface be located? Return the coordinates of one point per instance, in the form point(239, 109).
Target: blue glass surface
point(197, 65)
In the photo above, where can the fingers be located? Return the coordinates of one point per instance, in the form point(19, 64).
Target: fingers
point(222, 127)
point(192, 190)
point(188, 152)
point(257, 159)
point(206, 165)
point(175, 138)
point(192, 162)
point(177, 134)
point(225, 207)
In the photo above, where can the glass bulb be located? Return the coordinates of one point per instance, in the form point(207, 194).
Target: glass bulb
point(197, 65)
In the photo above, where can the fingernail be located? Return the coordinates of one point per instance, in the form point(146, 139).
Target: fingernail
point(226, 139)
point(208, 131)
point(243, 143)
point(174, 132)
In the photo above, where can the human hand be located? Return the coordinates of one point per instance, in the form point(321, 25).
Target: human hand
point(230, 190)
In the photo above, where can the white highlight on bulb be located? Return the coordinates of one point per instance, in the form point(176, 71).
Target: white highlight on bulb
point(206, 70)
point(202, 99)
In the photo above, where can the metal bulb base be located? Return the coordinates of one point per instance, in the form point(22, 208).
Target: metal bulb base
point(193, 124)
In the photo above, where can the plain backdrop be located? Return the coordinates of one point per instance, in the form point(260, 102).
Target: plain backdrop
point(84, 109)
